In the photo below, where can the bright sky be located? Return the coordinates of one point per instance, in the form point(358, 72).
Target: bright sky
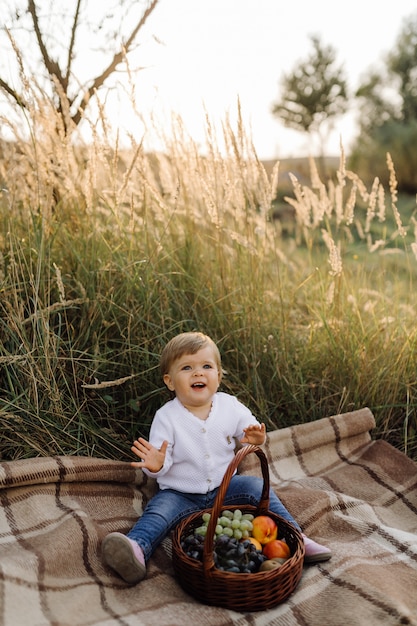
point(214, 51)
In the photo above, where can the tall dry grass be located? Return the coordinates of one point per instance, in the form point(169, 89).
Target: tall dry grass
point(107, 251)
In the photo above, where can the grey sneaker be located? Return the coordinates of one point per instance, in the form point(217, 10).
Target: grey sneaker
point(124, 556)
point(315, 552)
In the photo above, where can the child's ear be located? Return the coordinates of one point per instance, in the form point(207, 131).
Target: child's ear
point(168, 381)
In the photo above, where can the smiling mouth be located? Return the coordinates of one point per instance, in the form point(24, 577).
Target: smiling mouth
point(198, 385)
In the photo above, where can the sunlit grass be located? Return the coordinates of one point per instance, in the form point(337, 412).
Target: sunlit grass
point(106, 253)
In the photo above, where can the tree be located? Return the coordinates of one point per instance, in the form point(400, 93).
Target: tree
point(378, 102)
point(390, 93)
point(402, 63)
point(314, 93)
point(43, 43)
point(388, 113)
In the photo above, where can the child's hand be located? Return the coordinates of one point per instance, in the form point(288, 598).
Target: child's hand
point(255, 434)
point(151, 458)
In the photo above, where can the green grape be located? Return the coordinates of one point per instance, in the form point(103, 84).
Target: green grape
point(234, 525)
point(246, 525)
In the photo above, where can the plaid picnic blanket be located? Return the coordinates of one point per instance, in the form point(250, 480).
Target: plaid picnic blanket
point(355, 494)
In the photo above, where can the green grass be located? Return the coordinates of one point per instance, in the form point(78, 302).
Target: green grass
point(140, 247)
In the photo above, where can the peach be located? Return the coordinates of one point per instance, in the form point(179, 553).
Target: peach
point(264, 529)
point(276, 549)
point(256, 543)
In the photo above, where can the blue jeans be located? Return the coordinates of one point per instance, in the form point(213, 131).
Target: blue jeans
point(168, 507)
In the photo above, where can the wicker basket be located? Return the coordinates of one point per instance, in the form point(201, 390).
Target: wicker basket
point(238, 591)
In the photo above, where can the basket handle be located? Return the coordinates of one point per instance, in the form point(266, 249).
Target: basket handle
point(263, 506)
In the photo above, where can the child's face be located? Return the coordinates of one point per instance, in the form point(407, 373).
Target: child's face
point(195, 378)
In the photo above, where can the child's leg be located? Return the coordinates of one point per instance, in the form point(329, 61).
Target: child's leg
point(247, 490)
point(127, 554)
point(162, 513)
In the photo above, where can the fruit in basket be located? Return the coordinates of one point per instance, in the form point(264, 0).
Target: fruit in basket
point(232, 555)
point(231, 523)
point(229, 554)
point(256, 543)
point(271, 564)
point(276, 549)
point(264, 529)
point(193, 546)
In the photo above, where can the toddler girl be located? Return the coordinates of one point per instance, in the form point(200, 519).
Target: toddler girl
point(191, 443)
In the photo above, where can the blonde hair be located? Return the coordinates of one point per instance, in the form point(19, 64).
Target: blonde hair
point(187, 343)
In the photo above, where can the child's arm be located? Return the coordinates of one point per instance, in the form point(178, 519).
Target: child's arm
point(151, 458)
point(255, 434)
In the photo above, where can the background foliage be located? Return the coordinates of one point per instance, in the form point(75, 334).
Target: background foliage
point(388, 113)
point(314, 311)
point(306, 282)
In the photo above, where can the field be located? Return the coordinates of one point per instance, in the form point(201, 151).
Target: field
point(307, 284)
